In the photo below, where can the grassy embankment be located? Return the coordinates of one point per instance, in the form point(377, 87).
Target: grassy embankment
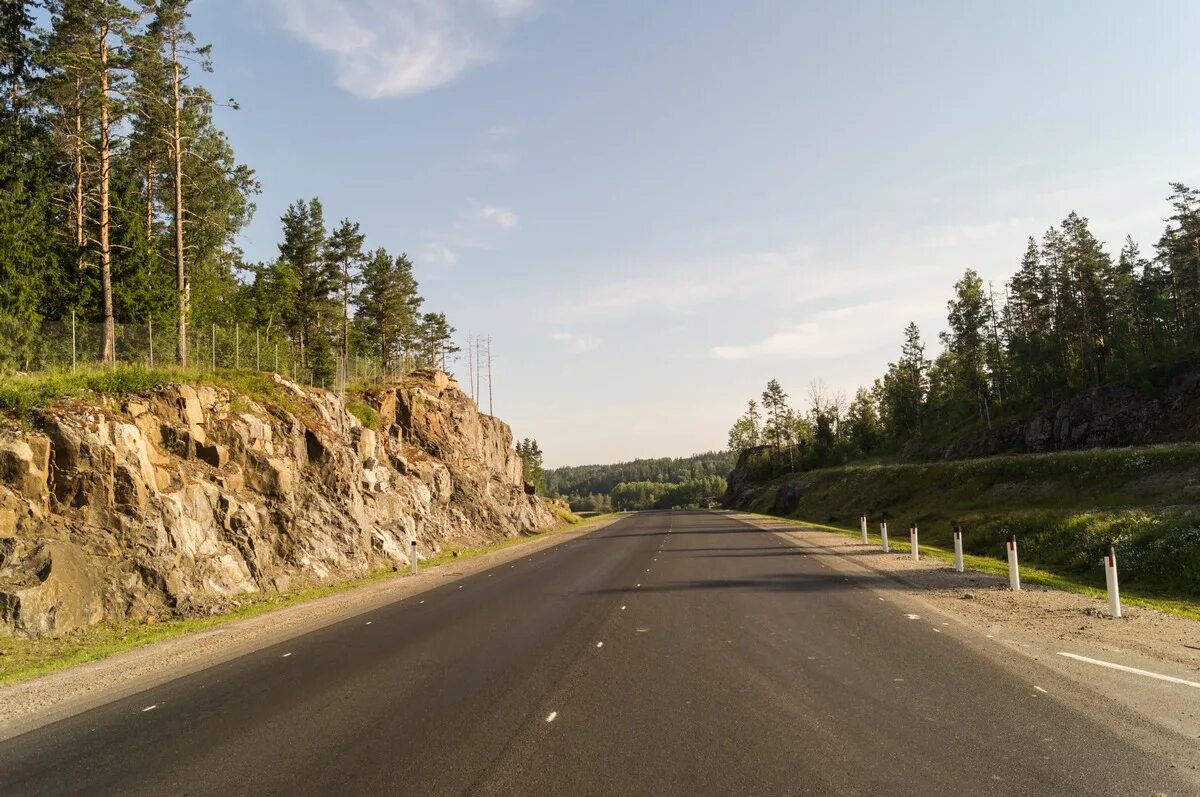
point(1065, 509)
point(23, 395)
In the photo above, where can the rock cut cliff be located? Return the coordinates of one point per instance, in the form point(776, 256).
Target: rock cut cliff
point(178, 501)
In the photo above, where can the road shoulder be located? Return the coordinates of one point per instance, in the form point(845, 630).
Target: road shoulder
point(1030, 630)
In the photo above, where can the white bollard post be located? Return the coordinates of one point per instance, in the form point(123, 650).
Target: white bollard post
point(1110, 576)
point(912, 538)
point(1014, 574)
point(958, 549)
point(862, 523)
point(883, 534)
point(413, 557)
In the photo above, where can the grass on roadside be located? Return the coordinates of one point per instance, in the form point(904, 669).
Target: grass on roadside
point(21, 659)
point(23, 395)
point(1029, 574)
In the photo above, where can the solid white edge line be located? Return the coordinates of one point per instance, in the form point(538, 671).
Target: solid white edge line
point(149, 708)
point(1134, 670)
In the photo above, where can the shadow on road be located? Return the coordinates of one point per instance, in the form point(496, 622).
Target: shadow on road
point(779, 582)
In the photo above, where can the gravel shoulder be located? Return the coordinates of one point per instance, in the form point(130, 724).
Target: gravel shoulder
point(31, 704)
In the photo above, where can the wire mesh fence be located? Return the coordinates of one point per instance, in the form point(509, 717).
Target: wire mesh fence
point(69, 344)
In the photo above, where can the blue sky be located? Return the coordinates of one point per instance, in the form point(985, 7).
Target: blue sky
point(655, 207)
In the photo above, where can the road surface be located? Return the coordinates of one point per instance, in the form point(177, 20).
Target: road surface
point(669, 653)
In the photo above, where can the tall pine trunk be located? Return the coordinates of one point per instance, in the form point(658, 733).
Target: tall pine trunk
point(150, 199)
point(181, 282)
point(346, 315)
point(80, 225)
point(109, 339)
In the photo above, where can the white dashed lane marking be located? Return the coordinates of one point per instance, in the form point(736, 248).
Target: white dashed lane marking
point(149, 708)
point(599, 644)
point(1040, 689)
point(913, 616)
point(285, 655)
point(551, 716)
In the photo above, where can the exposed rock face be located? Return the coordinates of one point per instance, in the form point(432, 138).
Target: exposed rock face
point(179, 501)
point(1109, 416)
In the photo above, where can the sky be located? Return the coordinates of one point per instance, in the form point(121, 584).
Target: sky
point(653, 208)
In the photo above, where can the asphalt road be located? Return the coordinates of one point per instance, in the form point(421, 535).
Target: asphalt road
point(669, 653)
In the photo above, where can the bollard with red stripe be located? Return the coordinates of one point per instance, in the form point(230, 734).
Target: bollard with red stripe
point(883, 534)
point(1110, 577)
point(1014, 573)
point(912, 537)
point(958, 549)
point(862, 523)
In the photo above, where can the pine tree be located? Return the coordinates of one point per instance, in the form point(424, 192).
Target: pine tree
point(303, 250)
point(436, 340)
point(344, 251)
point(969, 320)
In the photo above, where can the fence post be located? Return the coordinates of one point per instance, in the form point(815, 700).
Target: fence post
point(912, 536)
point(150, 326)
point(862, 524)
point(958, 549)
point(214, 347)
point(883, 533)
point(257, 355)
point(276, 356)
point(237, 346)
point(72, 340)
point(1014, 571)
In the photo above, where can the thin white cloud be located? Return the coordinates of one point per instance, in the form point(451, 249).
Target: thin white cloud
point(684, 288)
point(504, 218)
point(439, 254)
point(510, 9)
point(573, 342)
point(500, 161)
point(478, 227)
point(394, 48)
point(950, 236)
point(834, 333)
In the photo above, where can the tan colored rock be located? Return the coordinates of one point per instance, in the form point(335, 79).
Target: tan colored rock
point(8, 523)
point(50, 592)
point(25, 466)
point(170, 503)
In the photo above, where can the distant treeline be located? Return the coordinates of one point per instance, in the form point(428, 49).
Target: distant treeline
point(1071, 318)
point(643, 483)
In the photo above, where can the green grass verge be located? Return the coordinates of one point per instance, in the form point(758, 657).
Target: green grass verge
point(1065, 509)
point(21, 659)
point(24, 395)
point(1029, 574)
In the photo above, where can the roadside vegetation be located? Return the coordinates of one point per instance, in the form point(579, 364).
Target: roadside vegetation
point(22, 395)
point(1064, 508)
